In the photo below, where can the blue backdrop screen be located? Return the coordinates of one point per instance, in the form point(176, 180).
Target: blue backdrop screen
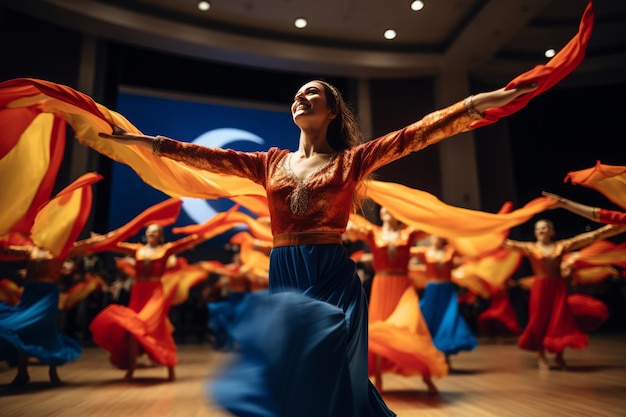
point(231, 125)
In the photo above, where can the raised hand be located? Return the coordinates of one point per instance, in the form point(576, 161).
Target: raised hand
point(120, 135)
point(501, 97)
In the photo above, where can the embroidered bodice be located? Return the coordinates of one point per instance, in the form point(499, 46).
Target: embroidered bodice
point(323, 201)
point(394, 255)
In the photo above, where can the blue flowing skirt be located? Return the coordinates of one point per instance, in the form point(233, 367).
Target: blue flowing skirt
point(440, 308)
point(303, 345)
point(31, 326)
point(223, 315)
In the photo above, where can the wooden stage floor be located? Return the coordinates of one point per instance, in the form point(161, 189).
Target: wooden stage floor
point(496, 380)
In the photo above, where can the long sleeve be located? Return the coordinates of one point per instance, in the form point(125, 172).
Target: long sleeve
point(584, 239)
point(126, 248)
point(430, 130)
point(250, 165)
point(516, 245)
point(183, 244)
point(612, 217)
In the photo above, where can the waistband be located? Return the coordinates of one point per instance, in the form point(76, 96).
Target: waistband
point(147, 279)
point(307, 238)
point(392, 272)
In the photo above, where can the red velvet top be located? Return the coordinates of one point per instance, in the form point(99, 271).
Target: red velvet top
point(326, 202)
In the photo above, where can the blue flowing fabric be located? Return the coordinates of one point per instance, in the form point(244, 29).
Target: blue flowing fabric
point(31, 326)
point(440, 309)
point(223, 315)
point(303, 345)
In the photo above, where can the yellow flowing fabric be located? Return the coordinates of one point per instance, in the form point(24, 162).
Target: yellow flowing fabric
point(225, 221)
point(89, 118)
point(27, 164)
point(178, 281)
point(426, 212)
point(59, 223)
point(488, 274)
point(253, 261)
point(609, 180)
point(78, 292)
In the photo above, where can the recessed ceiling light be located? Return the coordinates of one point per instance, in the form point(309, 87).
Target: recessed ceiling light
point(549, 53)
point(300, 23)
point(417, 5)
point(204, 5)
point(390, 34)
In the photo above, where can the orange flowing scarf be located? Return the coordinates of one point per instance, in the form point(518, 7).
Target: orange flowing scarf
point(610, 180)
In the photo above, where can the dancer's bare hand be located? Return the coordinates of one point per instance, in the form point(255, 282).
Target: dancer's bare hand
point(501, 97)
point(120, 135)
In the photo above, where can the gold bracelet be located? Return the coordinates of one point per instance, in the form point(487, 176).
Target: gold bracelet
point(596, 213)
point(471, 109)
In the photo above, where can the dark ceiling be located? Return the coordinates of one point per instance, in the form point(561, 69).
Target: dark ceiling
point(489, 39)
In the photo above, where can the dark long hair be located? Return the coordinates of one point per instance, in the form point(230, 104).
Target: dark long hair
point(344, 133)
point(343, 130)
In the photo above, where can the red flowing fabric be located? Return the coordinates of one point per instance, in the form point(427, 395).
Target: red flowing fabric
point(499, 319)
point(163, 214)
point(551, 325)
point(589, 312)
point(546, 76)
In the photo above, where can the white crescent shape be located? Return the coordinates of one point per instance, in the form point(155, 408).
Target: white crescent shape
point(201, 210)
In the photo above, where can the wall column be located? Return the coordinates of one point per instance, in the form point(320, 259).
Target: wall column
point(459, 173)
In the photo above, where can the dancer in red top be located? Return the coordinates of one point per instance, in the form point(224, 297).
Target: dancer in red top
point(144, 325)
point(399, 339)
point(551, 326)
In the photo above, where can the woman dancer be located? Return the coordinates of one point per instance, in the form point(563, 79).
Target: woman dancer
point(311, 194)
point(30, 328)
point(551, 326)
point(144, 325)
point(399, 339)
point(440, 306)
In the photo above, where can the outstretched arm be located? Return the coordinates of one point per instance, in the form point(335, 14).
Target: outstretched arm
point(583, 210)
point(498, 98)
point(433, 128)
point(592, 213)
point(587, 238)
point(120, 135)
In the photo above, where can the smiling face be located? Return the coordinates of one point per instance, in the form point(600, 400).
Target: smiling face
point(310, 107)
point(154, 235)
point(544, 230)
point(387, 218)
